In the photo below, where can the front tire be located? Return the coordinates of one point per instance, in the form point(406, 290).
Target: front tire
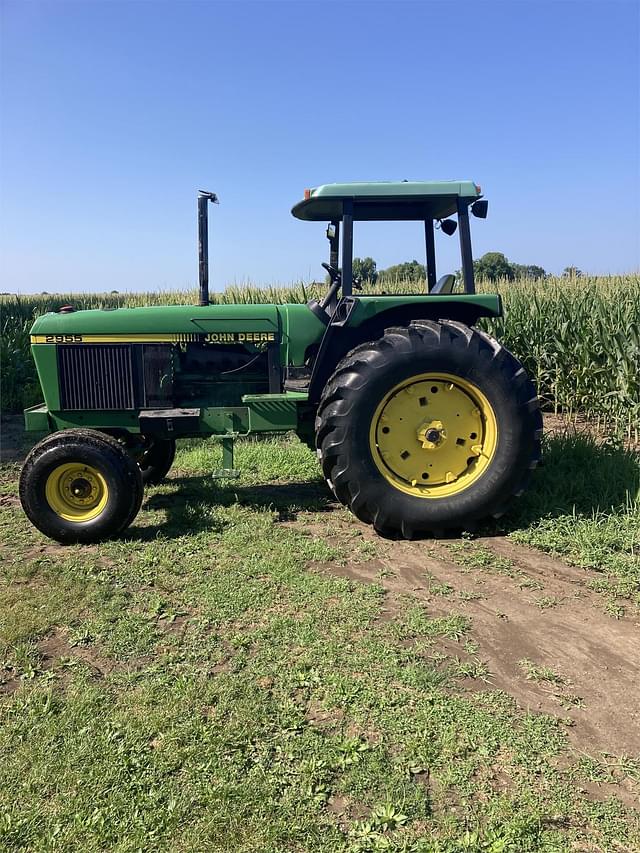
point(80, 486)
point(156, 460)
point(433, 427)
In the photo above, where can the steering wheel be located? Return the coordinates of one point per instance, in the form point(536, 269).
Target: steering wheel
point(336, 277)
point(334, 274)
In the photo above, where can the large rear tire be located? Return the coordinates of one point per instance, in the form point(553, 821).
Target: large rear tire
point(80, 486)
point(433, 427)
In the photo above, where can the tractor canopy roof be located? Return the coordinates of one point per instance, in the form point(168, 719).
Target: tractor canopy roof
point(385, 200)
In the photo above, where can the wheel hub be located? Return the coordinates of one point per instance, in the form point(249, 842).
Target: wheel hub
point(76, 492)
point(81, 488)
point(433, 435)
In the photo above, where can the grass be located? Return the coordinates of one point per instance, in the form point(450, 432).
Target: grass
point(471, 556)
point(534, 672)
point(578, 338)
point(586, 509)
point(196, 686)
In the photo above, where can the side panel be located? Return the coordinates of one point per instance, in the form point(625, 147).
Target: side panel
point(301, 328)
point(100, 364)
point(258, 413)
point(107, 369)
point(46, 359)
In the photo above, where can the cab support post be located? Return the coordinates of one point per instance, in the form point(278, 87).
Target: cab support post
point(431, 254)
point(334, 259)
point(347, 246)
point(465, 246)
point(334, 243)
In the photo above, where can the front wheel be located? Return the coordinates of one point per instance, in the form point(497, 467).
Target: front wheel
point(80, 486)
point(156, 459)
point(433, 427)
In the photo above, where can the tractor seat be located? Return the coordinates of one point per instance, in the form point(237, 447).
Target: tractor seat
point(444, 284)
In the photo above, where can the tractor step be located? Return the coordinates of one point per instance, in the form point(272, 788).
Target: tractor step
point(300, 385)
point(274, 412)
point(169, 423)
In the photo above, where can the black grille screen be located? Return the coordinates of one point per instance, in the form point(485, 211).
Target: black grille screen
point(157, 369)
point(96, 376)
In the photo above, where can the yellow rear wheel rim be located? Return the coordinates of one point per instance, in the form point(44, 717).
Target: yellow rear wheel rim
point(433, 435)
point(76, 492)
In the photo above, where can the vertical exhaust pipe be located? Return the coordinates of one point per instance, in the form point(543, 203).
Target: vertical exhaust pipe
point(204, 198)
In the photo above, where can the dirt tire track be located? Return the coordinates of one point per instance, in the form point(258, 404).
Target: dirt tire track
point(597, 656)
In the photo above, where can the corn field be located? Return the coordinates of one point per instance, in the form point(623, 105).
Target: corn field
point(578, 338)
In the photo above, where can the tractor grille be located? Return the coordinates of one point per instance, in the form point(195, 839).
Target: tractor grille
point(96, 376)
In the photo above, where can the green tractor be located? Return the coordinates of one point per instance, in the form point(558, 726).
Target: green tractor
point(422, 423)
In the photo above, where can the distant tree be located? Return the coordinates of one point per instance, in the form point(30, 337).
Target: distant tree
point(571, 272)
point(493, 265)
point(528, 271)
point(365, 269)
point(115, 292)
point(408, 271)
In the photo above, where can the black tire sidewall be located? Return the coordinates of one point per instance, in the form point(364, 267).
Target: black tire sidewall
point(512, 453)
point(159, 461)
point(123, 490)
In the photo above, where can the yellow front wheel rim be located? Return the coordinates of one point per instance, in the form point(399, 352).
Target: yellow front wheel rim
point(433, 435)
point(76, 492)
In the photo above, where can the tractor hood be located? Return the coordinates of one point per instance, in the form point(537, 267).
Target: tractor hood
point(293, 326)
point(157, 323)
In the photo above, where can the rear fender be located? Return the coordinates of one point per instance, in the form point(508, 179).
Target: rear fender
point(345, 332)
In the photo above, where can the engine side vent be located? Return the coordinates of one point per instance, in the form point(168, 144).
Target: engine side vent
point(96, 376)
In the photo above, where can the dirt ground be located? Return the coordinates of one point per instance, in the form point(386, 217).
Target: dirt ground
point(596, 657)
point(14, 442)
point(539, 610)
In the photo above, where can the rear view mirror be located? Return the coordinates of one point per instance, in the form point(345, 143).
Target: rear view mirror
point(331, 232)
point(479, 208)
point(448, 226)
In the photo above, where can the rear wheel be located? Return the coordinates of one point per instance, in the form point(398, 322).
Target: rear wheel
point(156, 459)
point(80, 486)
point(431, 428)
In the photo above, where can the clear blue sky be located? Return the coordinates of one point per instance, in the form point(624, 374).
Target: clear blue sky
point(114, 114)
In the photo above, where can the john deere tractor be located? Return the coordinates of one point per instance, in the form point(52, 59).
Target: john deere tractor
point(422, 423)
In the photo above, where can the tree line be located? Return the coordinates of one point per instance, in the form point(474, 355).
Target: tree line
point(492, 265)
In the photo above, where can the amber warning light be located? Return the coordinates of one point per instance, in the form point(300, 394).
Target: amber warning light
point(307, 194)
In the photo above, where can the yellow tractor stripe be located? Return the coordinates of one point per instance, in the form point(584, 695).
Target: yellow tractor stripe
point(152, 337)
point(112, 339)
